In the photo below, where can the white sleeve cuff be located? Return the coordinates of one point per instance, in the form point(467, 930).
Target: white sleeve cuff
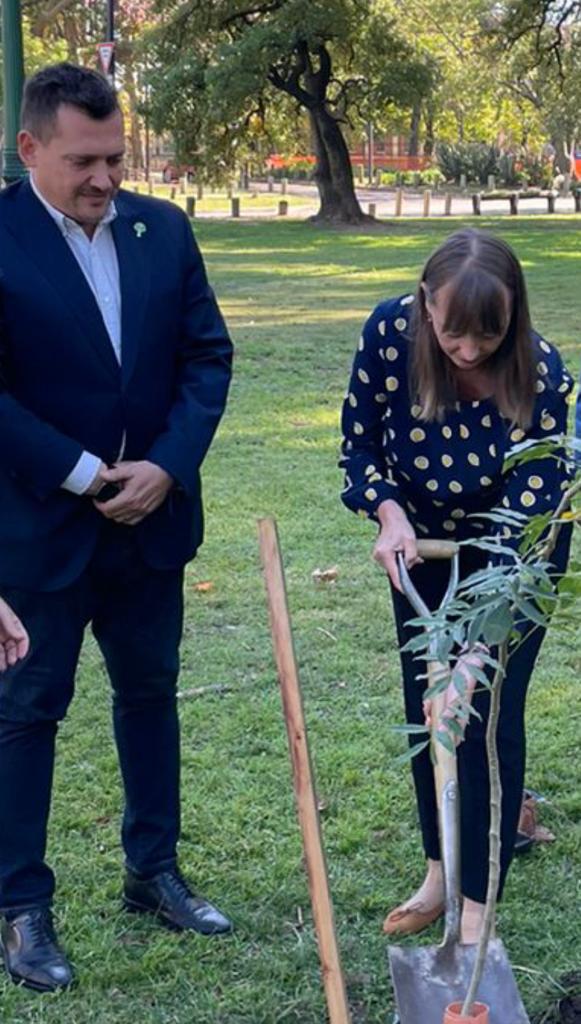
point(82, 475)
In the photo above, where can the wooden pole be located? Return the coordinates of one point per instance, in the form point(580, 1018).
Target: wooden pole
point(398, 201)
point(235, 206)
point(513, 203)
point(303, 778)
point(190, 206)
point(427, 200)
point(282, 207)
point(372, 209)
point(448, 204)
point(476, 204)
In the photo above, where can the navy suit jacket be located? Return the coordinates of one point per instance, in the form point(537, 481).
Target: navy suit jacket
point(62, 390)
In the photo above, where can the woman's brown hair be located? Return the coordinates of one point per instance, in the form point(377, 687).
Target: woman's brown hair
point(480, 268)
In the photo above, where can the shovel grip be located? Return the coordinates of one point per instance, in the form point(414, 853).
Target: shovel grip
point(437, 548)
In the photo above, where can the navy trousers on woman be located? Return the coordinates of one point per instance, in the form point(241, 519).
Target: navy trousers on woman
point(430, 579)
point(136, 616)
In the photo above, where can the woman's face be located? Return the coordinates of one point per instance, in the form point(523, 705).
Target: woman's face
point(468, 352)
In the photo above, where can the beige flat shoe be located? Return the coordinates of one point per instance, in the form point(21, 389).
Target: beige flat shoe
point(410, 920)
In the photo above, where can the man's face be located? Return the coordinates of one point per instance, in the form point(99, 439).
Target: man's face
point(78, 166)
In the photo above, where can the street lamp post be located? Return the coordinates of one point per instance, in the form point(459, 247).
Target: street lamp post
point(12, 48)
point(111, 37)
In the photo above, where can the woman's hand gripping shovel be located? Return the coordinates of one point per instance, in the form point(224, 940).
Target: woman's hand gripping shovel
point(426, 979)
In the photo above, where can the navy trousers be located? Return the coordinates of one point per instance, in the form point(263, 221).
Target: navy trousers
point(136, 615)
point(430, 579)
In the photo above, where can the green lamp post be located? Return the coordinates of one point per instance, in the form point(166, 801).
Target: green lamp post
point(13, 67)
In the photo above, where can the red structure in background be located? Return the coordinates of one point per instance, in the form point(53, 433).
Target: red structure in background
point(389, 153)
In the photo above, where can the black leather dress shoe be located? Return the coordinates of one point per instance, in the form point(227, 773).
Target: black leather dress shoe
point(31, 952)
point(171, 900)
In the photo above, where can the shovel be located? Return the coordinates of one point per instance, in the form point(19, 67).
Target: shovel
point(427, 979)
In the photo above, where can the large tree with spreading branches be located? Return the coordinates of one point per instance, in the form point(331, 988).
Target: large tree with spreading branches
point(230, 62)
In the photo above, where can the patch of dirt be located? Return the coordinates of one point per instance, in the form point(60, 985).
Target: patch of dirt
point(566, 1009)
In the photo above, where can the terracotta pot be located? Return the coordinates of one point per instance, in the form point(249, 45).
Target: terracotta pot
point(453, 1014)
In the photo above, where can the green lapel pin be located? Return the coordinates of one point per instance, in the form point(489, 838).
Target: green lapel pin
point(139, 228)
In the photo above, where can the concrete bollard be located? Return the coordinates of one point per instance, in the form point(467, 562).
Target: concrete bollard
point(200, 190)
point(270, 183)
point(551, 202)
point(190, 206)
point(283, 207)
point(491, 183)
point(235, 206)
point(427, 201)
point(371, 209)
point(476, 204)
point(398, 202)
point(448, 204)
point(463, 181)
point(284, 186)
point(513, 203)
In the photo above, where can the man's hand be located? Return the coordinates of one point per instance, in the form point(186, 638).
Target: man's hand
point(14, 641)
point(143, 488)
point(98, 481)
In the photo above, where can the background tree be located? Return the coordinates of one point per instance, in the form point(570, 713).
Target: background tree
point(538, 45)
point(336, 61)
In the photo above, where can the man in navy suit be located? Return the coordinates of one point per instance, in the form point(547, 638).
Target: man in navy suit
point(114, 371)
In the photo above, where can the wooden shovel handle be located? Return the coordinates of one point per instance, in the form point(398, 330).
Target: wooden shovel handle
point(437, 548)
point(304, 785)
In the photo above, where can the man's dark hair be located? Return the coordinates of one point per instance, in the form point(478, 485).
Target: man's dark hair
point(59, 84)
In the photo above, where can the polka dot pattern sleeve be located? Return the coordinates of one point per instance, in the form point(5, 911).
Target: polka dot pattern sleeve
point(537, 486)
point(375, 378)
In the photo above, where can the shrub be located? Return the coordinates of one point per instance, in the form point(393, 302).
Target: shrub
point(477, 160)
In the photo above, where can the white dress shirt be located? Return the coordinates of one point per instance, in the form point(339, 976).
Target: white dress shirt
point(97, 258)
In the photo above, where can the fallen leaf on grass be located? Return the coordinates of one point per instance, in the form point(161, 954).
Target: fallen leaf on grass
point(325, 575)
point(201, 691)
point(542, 835)
point(203, 587)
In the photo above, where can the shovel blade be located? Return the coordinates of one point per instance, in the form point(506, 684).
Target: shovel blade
point(427, 978)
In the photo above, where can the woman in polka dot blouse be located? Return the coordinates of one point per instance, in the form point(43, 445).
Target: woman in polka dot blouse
point(443, 383)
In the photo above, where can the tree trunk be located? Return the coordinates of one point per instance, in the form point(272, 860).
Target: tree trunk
point(334, 175)
point(562, 155)
point(430, 142)
point(414, 139)
point(135, 126)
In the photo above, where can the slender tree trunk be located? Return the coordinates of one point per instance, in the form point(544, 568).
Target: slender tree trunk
point(562, 155)
point(414, 138)
point(334, 175)
point(429, 142)
point(136, 143)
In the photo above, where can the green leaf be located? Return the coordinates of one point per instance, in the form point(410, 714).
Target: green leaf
point(411, 752)
point(497, 624)
point(410, 728)
point(446, 741)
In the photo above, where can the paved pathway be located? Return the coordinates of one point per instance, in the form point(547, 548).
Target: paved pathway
point(384, 200)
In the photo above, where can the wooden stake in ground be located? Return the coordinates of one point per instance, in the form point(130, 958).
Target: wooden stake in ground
point(305, 796)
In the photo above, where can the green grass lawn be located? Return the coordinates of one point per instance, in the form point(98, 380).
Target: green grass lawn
point(295, 298)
